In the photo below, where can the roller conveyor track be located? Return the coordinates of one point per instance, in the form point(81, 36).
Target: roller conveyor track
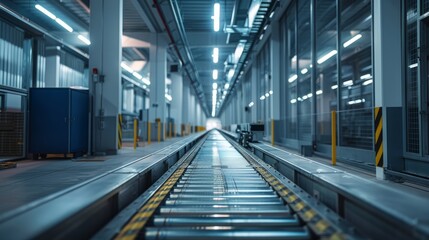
point(221, 195)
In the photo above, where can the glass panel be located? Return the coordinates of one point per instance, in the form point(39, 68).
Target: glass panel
point(412, 106)
point(305, 97)
point(326, 54)
point(424, 6)
point(356, 83)
point(291, 74)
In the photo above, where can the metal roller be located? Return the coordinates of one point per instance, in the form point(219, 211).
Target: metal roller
point(221, 232)
point(236, 221)
point(221, 196)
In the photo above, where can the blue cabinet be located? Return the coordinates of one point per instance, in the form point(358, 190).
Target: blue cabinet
point(58, 121)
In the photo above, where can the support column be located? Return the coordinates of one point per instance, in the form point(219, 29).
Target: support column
point(177, 106)
point(158, 74)
point(275, 76)
point(52, 70)
point(105, 55)
point(186, 104)
point(255, 97)
point(388, 82)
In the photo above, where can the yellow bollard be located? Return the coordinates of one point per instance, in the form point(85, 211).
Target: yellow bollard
point(334, 137)
point(148, 133)
point(119, 131)
point(159, 131)
point(169, 130)
point(272, 132)
point(135, 133)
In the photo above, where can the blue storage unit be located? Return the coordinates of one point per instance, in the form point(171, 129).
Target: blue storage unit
point(58, 121)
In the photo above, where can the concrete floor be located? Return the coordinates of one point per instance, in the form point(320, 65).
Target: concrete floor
point(34, 179)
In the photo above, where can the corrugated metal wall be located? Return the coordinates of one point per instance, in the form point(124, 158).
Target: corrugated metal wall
point(71, 71)
point(40, 47)
point(11, 56)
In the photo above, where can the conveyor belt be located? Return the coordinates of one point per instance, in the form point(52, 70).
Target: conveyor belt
point(220, 195)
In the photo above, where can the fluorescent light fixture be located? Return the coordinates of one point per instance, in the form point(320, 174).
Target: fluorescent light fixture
point(251, 104)
point(366, 76)
point(356, 101)
point(215, 55)
point(230, 74)
point(293, 59)
point(334, 87)
point(352, 40)
point(216, 17)
point(318, 92)
point(271, 92)
point(348, 83)
point(253, 10)
point(267, 95)
point(293, 101)
point(214, 86)
point(144, 86)
point(413, 65)
point(215, 74)
point(53, 17)
point(137, 75)
point(292, 78)
point(168, 97)
point(214, 92)
point(84, 39)
point(262, 97)
point(262, 36)
point(145, 81)
point(327, 56)
point(126, 67)
point(309, 95)
point(46, 12)
point(271, 14)
point(304, 97)
point(265, 27)
point(300, 99)
point(64, 25)
point(238, 51)
point(367, 82)
point(226, 87)
point(213, 114)
point(304, 71)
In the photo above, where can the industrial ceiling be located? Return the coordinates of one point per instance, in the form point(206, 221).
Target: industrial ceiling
point(188, 25)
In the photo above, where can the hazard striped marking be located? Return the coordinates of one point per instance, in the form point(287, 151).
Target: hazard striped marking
point(378, 146)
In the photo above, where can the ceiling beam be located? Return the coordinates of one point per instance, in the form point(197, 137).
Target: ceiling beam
point(144, 15)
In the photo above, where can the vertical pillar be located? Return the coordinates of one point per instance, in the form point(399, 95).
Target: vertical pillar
point(254, 87)
point(177, 106)
point(105, 55)
point(158, 74)
point(52, 70)
point(198, 119)
point(388, 81)
point(186, 104)
point(275, 75)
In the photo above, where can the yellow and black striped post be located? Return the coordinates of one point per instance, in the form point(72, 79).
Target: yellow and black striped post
point(119, 131)
point(378, 123)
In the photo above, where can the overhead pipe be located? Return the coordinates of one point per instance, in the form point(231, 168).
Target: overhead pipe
point(170, 35)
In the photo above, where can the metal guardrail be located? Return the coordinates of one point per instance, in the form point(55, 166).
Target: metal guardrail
point(78, 212)
point(377, 211)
